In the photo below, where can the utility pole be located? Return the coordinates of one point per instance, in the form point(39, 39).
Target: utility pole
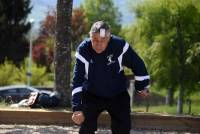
point(29, 73)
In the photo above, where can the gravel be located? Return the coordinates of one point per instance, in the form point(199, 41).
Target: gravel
point(52, 129)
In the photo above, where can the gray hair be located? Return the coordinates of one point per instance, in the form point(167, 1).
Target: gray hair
point(100, 27)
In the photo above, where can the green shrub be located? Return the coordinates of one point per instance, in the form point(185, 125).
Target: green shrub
point(10, 74)
point(7, 73)
point(39, 75)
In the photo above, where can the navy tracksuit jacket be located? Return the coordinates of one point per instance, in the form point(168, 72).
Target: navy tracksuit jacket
point(102, 74)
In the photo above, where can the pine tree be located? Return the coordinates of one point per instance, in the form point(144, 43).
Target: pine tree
point(13, 28)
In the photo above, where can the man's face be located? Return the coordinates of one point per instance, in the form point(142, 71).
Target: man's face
point(99, 43)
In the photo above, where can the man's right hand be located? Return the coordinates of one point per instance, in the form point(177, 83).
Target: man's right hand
point(78, 117)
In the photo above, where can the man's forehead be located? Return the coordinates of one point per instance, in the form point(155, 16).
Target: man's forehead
point(97, 36)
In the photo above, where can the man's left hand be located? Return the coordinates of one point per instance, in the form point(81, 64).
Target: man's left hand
point(144, 93)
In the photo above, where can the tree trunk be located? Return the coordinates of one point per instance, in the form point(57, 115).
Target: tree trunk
point(181, 75)
point(63, 50)
point(170, 97)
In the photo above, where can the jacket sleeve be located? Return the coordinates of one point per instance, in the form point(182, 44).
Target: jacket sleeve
point(136, 64)
point(77, 83)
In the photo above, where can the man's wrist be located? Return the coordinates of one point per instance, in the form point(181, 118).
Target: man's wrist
point(76, 108)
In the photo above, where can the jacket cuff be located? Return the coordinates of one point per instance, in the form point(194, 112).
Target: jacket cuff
point(76, 108)
point(141, 85)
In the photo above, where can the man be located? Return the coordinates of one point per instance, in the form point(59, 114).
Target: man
point(99, 82)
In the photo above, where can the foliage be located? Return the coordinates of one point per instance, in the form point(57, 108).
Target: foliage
point(11, 74)
point(43, 50)
point(7, 73)
point(40, 54)
point(39, 75)
point(156, 39)
point(193, 63)
point(79, 26)
point(48, 25)
point(13, 28)
point(103, 10)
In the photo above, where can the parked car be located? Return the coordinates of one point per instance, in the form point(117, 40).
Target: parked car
point(18, 92)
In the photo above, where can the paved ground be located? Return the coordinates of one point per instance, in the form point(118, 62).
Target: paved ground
point(50, 129)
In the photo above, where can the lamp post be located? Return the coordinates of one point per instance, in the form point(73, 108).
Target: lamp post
point(29, 73)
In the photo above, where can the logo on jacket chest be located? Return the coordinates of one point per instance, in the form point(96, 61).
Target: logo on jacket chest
point(110, 59)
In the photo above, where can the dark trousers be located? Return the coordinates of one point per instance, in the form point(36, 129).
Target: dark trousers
point(118, 107)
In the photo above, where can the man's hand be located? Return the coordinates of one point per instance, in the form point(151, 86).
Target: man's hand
point(144, 93)
point(78, 117)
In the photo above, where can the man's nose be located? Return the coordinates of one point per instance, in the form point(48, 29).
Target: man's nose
point(99, 44)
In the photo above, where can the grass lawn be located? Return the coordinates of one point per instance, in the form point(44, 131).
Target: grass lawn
point(164, 109)
point(3, 104)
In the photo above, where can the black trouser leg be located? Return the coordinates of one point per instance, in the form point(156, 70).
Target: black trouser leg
point(91, 111)
point(119, 110)
point(89, 126)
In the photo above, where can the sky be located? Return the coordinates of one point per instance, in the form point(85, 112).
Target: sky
point(40, 8)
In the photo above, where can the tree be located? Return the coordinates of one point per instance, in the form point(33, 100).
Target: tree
point(44, 44)
point(40, 54)
point(79, 26)
point(168, 28)
point(103, 10)
point(13, 28)
point(63, 50)
point(48, 25)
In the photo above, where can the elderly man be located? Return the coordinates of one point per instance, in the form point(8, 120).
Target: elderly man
point(99, 82)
